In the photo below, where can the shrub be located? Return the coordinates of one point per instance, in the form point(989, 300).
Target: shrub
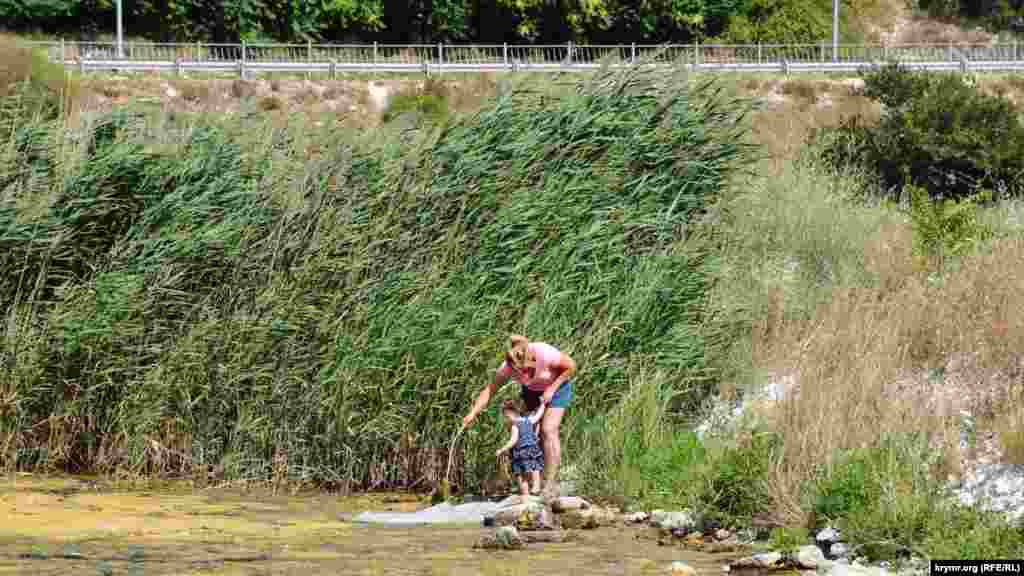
point(429, 102)
point(938, 132)
point(737, 484)
point(944, 227)
point(637, 455)
point(851, 487)
point(788, 540)
point(890, 505)
point(792, 21)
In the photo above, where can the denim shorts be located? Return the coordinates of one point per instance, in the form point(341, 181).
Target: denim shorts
point(561, 398)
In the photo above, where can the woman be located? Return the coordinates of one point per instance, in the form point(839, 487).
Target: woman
point(545, 377)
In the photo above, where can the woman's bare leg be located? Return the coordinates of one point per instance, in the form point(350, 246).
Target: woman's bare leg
point(549, 430)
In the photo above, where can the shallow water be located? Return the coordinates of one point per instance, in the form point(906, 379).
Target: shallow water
point(75, 526)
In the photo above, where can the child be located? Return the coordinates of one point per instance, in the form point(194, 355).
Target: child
point(527, 457)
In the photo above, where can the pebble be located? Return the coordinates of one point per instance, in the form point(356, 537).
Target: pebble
point(828, 535)
point(809, 557)
point(678, 568)
point(635, 517)
point(839, 550)
point(763, 560)
point(683, 520)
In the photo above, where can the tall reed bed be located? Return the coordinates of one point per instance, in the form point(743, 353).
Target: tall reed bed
point(200, 297)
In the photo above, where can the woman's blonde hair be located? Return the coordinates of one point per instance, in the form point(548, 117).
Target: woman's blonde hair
point(518, 352)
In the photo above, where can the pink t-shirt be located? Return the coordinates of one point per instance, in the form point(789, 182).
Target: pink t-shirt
point(544, 373)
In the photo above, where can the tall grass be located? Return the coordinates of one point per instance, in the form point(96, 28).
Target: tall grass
point(30, 85)
point(199, 297)
point(882, 352)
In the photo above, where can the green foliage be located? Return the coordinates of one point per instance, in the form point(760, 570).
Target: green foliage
point(994, 14)
point(198, 298)
point(938, 131)
point(851, 487)
point(945, 227)
point(794, 21)
point(890, 505)
point(593, 21)
point(968, 533)
point(788, 540)
point(737, 485)
point(428, 102)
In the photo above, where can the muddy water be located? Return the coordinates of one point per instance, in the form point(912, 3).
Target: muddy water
point(80, 526)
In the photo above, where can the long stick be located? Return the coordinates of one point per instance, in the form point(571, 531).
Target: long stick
point(451, 455)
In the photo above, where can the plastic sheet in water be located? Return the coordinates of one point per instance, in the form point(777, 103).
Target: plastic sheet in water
point(444, 513)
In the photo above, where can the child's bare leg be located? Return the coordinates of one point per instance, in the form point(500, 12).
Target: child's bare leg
point(535, 480)
point(524, 486)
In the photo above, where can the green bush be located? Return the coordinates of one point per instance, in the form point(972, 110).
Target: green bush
point(937, 131)
point(736, 486)
point(788, 22)
point(947, 227)
point(851, 487)
point(890, 505)
point(788, 540)
point(429, 102)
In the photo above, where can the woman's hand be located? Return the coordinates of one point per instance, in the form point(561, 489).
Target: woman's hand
point(547, 396)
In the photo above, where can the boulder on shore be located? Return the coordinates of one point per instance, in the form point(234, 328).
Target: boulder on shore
point(682, 520)
point(533, 514)
point(504, 538)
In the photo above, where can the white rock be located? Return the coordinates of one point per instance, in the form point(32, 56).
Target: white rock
point(839, 550)
point(765, 560)
point(996, 487)
point(681, 520)
point(508, 537)
point(565, 503)
point(855, 570)
point(809, 557)
point(678, 568)
point(828, 534)
point(635, 517)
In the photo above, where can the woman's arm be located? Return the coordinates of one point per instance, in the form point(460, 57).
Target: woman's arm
point(536, 416)
point(511, 442)
point(568, 369)
point(484, 397)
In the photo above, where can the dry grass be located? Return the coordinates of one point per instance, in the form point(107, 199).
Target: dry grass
point(243, 88)
point(1011, 430)
point(49, 84)
point(866, 18)
point(875, 343)
point(270, 103)
point(194, 90)
point(919, 30)
point(791, 110)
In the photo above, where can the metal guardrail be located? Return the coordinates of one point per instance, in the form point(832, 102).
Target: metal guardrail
point(246, 58)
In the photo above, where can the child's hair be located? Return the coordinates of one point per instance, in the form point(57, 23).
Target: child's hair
point(512, 405)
